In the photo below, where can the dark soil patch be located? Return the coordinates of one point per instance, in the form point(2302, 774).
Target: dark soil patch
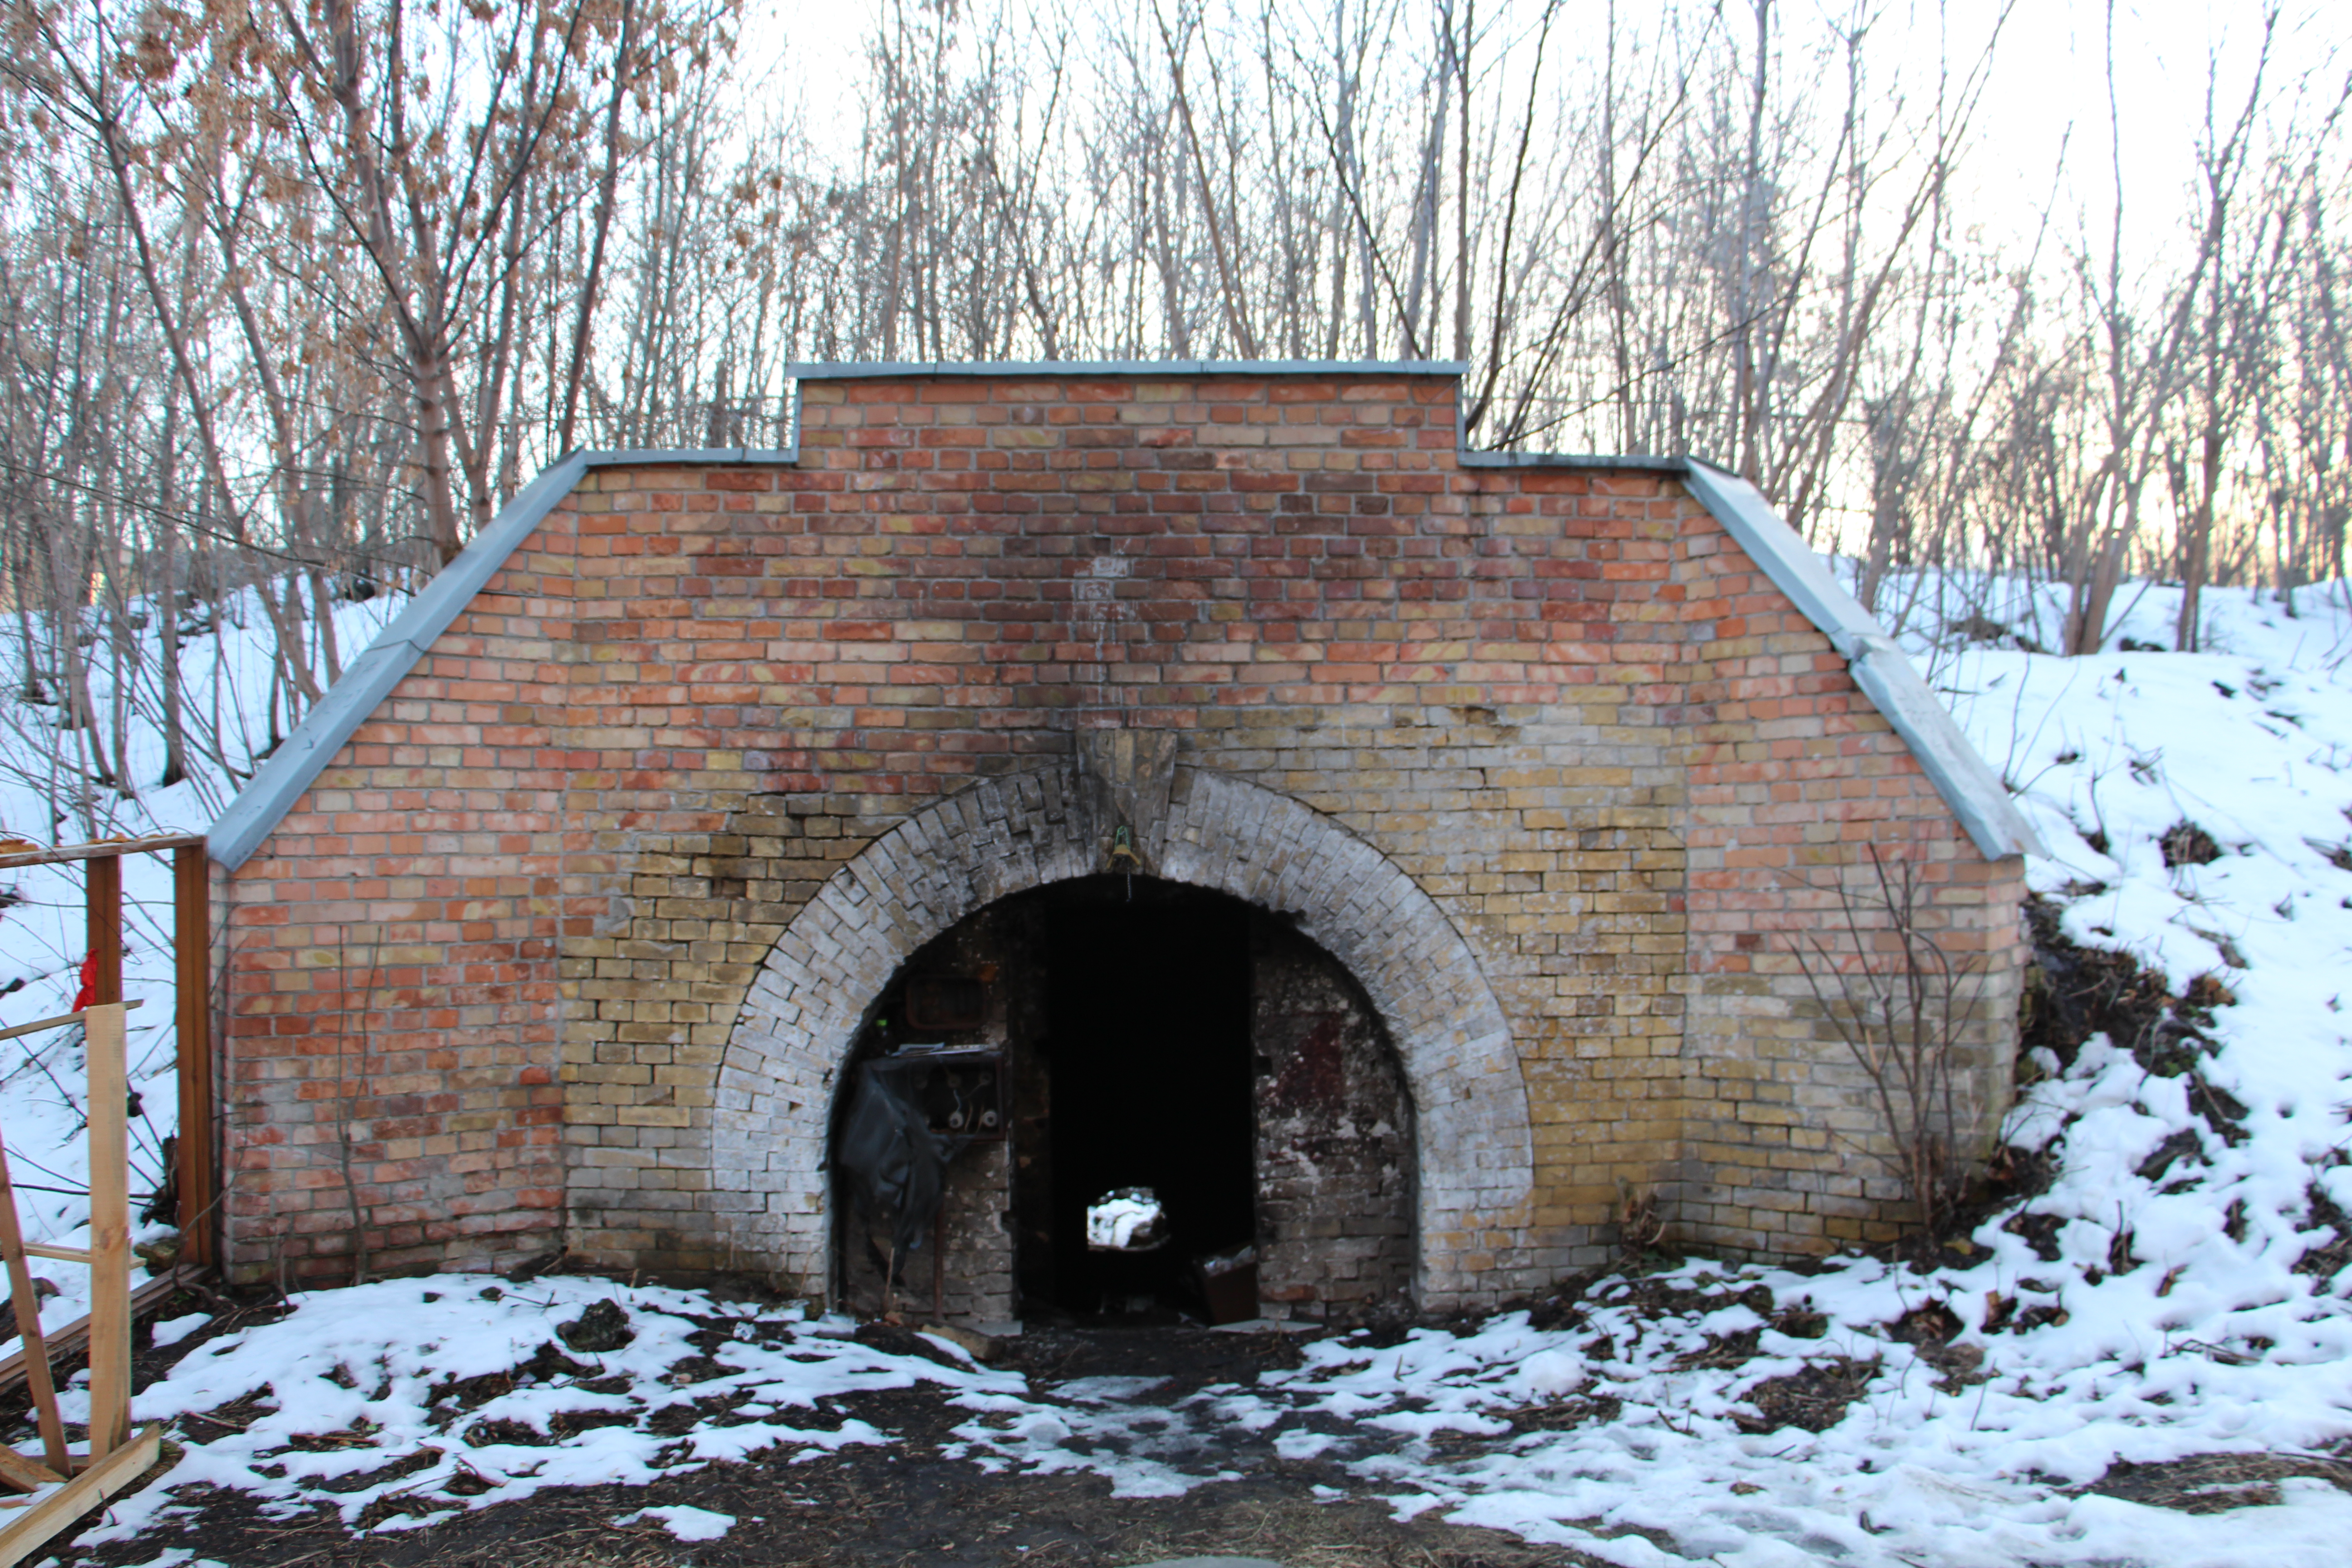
point(2181, 1143)
point(1801, 1323)
point(2220, 1109)
point(1929, 1329)
point(1565, 1414)
point(2208, 991)
point(1189, 1359)
point(603, 1328)
point(1660, 1298)
point(2211, 1483)
point(1721, 1351)
point(1961, 1366)
point(2186, 844)
point(1563, 1307)
point(1813, 1400)
point(697, 1369)
point(2072, 993)
point(2038, 1230)
point(897, 1338)
point(1928, 1323)
point(470, 1393)
point(2015, 1175)
point(868, 1508)
point(360, 1480)
point(2330, 1255)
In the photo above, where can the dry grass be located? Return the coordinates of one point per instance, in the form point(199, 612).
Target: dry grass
point(2211, 1483)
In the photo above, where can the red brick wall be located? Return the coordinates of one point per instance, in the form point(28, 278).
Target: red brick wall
point(1791, 773)
point(497, 950)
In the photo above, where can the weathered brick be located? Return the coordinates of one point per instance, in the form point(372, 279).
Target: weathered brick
point(572, 936)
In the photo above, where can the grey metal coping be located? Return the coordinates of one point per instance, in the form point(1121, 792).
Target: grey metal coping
point(1635, 462)
point(1968, 785)
point(1078, 369)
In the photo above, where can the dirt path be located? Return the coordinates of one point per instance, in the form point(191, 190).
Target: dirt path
point(907, 1504)
point(868, 1511)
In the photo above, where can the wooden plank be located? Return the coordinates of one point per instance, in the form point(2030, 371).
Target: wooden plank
point(29, 1533)
point(37, 1025)
point(27, 1474)
point(70, 1339)
point(66, 852)
point(62, 1254)
point(109, 1222)
point(33, 1355)
point(192, 953)
point(59, 1022)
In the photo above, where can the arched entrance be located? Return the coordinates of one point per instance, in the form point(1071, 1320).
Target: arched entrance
point(816, 991)
point(1102, 1035)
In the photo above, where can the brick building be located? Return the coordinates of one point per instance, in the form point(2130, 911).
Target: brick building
point(1389, 851)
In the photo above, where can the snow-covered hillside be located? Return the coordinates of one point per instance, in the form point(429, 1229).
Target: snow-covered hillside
point(2169, 1287)
point(2173, 1292)
point(42, 938)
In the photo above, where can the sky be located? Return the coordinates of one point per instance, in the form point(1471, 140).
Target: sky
point(2048, 91)
point(2051, 94)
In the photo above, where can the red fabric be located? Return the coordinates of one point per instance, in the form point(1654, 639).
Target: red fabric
point(88, 991)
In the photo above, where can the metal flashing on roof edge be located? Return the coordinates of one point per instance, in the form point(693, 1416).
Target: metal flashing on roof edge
point(1634, 462)
point(1063, 369)
point(1975, 795)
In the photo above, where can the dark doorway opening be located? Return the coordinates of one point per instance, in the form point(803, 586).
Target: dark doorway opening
point(1089, 1037)
point(1148, 1053)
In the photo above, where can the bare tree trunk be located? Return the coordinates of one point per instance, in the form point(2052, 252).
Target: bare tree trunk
point(607, 187)
point(1228, 284)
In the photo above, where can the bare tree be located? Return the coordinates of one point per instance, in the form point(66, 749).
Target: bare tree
point(293, 298)
point(1903, 1006)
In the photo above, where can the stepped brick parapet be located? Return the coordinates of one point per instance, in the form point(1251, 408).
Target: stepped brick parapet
point(568, 937)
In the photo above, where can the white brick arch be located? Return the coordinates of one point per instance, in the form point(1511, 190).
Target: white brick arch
point(773, 1112)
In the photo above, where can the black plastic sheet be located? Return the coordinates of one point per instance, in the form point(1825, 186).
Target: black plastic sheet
point(890, 1156)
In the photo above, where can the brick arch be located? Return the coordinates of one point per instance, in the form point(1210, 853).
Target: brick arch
point(772, 1116)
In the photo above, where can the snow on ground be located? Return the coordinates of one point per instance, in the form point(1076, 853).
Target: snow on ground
point(683, 1522)
point(2171, 1307)
point(397, 1403)
point(2174, 1291)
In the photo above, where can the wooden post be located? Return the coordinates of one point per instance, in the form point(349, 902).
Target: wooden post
point(54, 1514)
point(109, 1225)
point(191, 950)
point(29, 1329)
point(939, 1262)
point(103, 923)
